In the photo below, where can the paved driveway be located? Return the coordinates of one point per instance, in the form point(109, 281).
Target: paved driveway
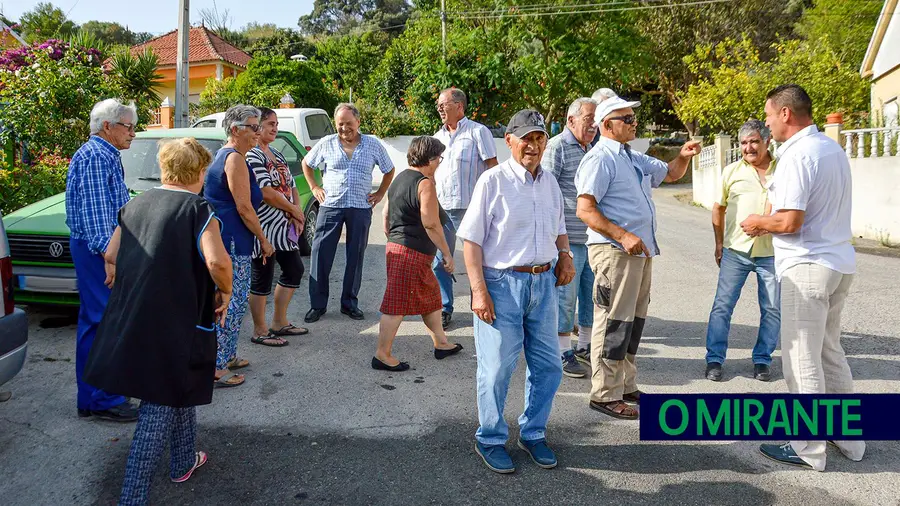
point(314, 424)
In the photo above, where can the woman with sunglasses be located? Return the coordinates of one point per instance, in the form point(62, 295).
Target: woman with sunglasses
point(414, 224)
point(230, 186)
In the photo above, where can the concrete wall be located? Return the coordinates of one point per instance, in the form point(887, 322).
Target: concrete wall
point(876, 198)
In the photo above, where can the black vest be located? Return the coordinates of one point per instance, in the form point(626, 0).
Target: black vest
point(405, 214)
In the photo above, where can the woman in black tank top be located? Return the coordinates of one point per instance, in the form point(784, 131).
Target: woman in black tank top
point(413, 223)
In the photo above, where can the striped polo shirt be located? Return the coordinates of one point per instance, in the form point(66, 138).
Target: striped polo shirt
point(561, 159)
point(464, 162)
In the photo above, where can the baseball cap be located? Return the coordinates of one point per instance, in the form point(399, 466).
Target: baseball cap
point(612, 104)
point(526, 121)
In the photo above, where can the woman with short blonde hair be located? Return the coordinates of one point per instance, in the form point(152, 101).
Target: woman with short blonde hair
point(171, 282)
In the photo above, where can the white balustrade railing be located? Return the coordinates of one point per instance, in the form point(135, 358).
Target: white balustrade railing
point(871, 142)
point(707, 157)
point(733, 154)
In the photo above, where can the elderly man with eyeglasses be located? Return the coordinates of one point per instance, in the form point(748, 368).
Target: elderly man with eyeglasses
point(614, 184)
point(470, 152)
point(95, 191)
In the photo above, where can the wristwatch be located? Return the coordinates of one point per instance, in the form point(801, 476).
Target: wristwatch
point(567, 252)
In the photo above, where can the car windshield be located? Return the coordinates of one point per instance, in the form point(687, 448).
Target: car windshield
point(141, 168)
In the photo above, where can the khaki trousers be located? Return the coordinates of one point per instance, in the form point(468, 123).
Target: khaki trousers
point(812, 297)
point(621, 298)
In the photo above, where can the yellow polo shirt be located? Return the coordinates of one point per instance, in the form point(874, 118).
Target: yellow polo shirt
point(742, 195)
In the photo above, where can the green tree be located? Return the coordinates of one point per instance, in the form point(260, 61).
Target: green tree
point(349, 60)
point(330, 17)
point(136, 76)
point(281, 42)
point(266, 80)
point(46, 21)
point(737, 80)
point(847, 25)
point(110, 33)
point(675, 32)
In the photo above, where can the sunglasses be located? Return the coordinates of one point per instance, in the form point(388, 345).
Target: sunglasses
point(255, 128)
point(628, 120)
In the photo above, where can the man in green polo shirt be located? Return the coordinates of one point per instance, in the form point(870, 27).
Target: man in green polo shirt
point(744, 193)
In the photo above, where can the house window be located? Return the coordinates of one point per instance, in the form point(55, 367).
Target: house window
point(890, 112)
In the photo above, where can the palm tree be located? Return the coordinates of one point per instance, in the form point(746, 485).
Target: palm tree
point(138, 79)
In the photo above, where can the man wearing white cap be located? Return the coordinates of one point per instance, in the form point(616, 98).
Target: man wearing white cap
point(614, 200)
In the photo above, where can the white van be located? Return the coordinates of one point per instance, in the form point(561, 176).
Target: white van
point(308, 125)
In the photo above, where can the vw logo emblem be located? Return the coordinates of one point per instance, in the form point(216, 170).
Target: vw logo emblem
point(56, 250)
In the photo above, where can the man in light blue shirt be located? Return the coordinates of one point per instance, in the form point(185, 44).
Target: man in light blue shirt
point(347, 160)
point(614, 185)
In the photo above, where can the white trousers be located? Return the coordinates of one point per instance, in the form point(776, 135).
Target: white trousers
point(812, 297)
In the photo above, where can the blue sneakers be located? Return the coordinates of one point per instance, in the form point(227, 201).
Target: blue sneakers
point(540, 452)
point(495, 457)
point(784, 454)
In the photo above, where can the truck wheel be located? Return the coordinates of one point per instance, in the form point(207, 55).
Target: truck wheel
point(309, 231)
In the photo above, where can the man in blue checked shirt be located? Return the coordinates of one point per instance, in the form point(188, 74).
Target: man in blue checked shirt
point(347, 160)
point(95, 191)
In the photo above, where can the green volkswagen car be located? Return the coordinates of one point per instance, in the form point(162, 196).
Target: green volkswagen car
point(43, 272)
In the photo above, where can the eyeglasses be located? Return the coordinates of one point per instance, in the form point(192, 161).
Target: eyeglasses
point(440, 159)
point(443, 106)
point(255, 128)
point(128, 126)
point(628, 120)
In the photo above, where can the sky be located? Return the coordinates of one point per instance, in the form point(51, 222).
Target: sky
point(161, 16)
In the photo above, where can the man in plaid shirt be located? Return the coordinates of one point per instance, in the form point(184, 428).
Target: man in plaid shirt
point(95, 191)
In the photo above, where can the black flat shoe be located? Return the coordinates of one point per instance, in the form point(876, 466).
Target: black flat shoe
point(714, 371)
point(354, 313)
point(381, 366)
point(84, 413)
point(762, 372)
point(313, 315)
point(124, 412)
point(442, 354)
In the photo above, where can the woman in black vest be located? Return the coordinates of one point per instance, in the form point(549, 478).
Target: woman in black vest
point(413, 222)
point(157, 340)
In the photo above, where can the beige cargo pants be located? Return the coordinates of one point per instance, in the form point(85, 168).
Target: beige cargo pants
point(621, 299)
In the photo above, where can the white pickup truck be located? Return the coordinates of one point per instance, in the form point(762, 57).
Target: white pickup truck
point(308, 125)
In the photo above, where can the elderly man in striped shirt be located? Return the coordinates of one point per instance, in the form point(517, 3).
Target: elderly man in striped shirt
point(513, 231)
point(470, 152)
point(564, 153)
point(95, 191)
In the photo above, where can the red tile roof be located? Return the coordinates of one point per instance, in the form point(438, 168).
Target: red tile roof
point(203, 46)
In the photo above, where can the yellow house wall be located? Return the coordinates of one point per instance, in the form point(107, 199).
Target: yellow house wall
point(885, 88)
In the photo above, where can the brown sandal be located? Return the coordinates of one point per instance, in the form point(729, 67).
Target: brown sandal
point(615, 409)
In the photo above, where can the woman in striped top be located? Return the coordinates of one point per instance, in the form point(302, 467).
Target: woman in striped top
point(282, 222)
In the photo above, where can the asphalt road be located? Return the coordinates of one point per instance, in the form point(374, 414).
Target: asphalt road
point(314, 424)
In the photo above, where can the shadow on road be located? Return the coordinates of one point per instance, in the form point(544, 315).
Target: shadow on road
point(278, 467)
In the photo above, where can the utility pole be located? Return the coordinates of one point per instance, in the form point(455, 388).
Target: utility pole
point(444, 29)
point(182, 107)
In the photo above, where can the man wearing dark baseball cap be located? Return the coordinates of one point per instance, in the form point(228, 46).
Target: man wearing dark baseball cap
point(513, 230)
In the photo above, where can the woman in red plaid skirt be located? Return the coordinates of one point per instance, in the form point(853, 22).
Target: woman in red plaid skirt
point(414, 224)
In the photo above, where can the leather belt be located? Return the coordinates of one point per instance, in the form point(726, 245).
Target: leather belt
point(533, 269)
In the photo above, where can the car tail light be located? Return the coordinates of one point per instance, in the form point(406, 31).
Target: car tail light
point(6, 283)
point(308, 148)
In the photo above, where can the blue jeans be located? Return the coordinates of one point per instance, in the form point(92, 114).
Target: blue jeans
point(526, 308)
point(93, 295)
point(445, 280)
point(733, 273)
point(580, 290)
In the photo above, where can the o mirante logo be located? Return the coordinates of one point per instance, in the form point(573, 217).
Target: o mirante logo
point(769, 416)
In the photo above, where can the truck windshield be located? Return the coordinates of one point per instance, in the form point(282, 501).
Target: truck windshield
point(141, 169)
